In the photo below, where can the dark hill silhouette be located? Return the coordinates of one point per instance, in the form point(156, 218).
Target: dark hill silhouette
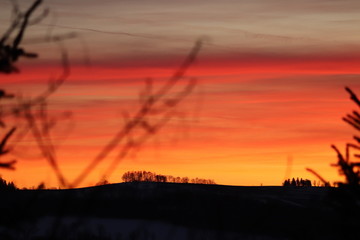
point(302, 213)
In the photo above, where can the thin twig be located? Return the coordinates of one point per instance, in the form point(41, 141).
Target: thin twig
point(139, 118)
point(326, 183)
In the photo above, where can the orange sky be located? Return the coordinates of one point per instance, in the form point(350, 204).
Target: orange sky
point(271, 79)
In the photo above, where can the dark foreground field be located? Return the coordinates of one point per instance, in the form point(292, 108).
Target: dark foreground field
point(178, 211)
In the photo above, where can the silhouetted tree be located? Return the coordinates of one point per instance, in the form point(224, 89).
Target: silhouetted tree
point(7, 186)
point(102, 182)
point(185, 180)
point(202, 181)
point(286, 183)
point(293, 182)
point(161, 178)
point(41, 186)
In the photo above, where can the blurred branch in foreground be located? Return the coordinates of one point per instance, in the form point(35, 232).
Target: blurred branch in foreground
point(10, 50)
point(33, 111)
point(159, 103)
point(348, 168)
point(4, 151)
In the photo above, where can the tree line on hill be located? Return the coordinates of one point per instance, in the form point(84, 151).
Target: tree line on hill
point(11, 186)
point(144, 176)
point(297, 183)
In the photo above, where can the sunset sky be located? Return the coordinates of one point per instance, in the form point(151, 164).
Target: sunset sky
point(268, 102)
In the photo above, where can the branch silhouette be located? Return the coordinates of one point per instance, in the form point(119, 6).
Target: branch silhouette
point(4, 151)
point(35, 110)
point(348, 168)
point(10, 51)
point(150, 102)
point(41, 125)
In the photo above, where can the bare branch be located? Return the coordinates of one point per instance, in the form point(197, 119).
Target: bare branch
point(3, 151)
point(139, 119)
point(4, 141)
point(10, 52)
point(8, 165)
point(25, 23)
point(44, 145)
point(353, 96)
point(326, 183)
